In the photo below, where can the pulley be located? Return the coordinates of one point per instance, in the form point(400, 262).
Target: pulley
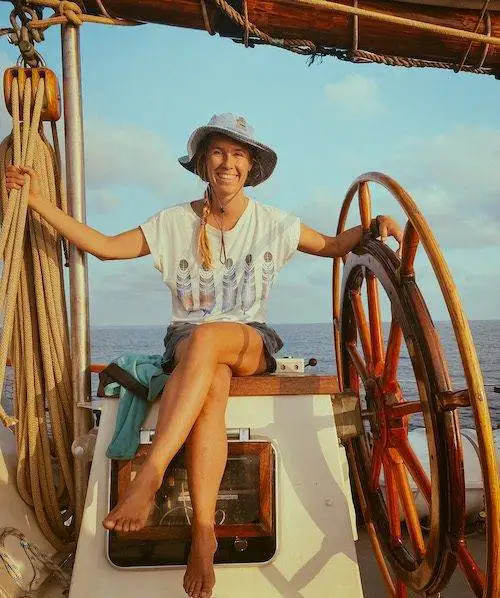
point(51, 107)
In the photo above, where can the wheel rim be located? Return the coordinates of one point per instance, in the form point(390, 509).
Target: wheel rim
point(426, 566)
point(397, 278)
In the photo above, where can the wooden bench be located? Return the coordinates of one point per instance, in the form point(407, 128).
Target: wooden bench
point(274, 384)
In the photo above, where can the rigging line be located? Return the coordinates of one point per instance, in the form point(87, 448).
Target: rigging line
point(467, 52)
point(206, 19)
point(380, 16)
point(71, 12)
point(487, 46)
point(103, 9)
point(247, 24)
point(355, 29)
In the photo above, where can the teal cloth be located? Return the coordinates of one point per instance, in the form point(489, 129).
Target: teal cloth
point(132, 410)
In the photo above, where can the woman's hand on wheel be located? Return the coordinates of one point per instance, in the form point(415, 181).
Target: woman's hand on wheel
point(387, 227)
point(17, 176)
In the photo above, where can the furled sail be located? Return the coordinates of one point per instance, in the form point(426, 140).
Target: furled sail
point(331, 31)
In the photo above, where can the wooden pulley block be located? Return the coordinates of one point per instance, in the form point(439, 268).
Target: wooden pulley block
point(51, 109)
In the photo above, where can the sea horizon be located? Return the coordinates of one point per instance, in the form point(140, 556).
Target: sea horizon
point(274, 323)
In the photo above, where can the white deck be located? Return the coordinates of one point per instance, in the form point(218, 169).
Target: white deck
point(316, 554)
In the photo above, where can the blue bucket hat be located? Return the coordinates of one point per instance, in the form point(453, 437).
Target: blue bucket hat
point(237, 128)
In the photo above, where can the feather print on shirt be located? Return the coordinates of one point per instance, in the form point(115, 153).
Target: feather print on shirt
point(248, 293)
point(229, 286)
point(207, 291)
point(267, 275)
point(183, 285)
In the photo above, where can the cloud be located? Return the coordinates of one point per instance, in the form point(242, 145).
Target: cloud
point(128, 292)
point(452, 177)
point(355, 95)
point(127, 155)
point(104, 201)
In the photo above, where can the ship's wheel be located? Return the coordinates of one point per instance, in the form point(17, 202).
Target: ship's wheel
point(386, 471)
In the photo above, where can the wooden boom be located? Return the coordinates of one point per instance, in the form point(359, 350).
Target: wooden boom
point(289, 19)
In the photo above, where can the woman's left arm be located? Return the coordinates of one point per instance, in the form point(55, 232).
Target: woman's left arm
point(315, 243)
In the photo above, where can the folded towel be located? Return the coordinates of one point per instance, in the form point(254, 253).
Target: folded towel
point(132, 410)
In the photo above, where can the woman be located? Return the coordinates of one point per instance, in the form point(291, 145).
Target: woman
point(219, 255)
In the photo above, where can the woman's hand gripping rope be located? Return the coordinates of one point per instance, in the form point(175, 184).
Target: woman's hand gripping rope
point(17, 176)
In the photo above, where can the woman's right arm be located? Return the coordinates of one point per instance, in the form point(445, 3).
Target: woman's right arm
point(126, 245)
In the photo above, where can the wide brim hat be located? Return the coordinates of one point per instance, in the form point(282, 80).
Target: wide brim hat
point(235, 127)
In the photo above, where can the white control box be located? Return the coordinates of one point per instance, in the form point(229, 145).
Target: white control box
point(289, 365)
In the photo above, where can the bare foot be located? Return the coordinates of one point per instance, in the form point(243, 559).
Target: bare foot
point(131, 513)
point(199, 579)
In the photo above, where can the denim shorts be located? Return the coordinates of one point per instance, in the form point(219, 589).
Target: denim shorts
point(180, 331)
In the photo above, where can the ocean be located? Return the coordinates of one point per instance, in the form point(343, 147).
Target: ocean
point(315, 340)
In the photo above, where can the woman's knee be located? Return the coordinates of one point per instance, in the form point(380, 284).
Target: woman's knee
point(200, 341)
point(219, 389)
point(204, 336)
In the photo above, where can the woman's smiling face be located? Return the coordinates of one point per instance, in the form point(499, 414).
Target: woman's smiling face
point(228, 165)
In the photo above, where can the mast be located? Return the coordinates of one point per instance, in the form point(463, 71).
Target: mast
point(79, 296)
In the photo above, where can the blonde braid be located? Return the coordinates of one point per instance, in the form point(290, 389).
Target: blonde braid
point(200, 168)
point(204, 253)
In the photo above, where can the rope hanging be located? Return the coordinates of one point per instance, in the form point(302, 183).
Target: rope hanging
point(35, 328)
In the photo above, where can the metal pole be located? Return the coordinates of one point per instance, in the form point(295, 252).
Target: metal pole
point(79, 300)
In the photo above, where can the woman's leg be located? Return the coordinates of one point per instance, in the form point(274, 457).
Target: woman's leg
point(236, 345)
point(206, 455)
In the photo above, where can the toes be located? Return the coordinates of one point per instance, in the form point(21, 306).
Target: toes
point(126, 526)
point(118, 525)
point(110, 520)
point(196, 591)
point(109, 523)
point(206, 590)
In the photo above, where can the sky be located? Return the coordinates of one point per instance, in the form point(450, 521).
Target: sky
point(146, 88)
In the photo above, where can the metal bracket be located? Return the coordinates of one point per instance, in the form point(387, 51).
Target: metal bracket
point(347, 415)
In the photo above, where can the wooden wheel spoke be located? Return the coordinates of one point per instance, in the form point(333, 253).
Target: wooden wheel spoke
point(357, 361)
point(392, 354)
point(409, 248)
point(363, 329)
point(372, 532)
point(401, 589)
point(392, 503)
point(408, 503)
point(470, 568)
point(376, 464)
point(375, 317)
point(365, 206)
point(417, 472)
point(403, 409)
point(353, 378)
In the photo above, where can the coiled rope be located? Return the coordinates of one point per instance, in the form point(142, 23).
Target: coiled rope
point(35, 328)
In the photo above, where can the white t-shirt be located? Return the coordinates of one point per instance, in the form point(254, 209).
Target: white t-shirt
point(259, 245)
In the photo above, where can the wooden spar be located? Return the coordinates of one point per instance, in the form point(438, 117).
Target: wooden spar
point(288, 19)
